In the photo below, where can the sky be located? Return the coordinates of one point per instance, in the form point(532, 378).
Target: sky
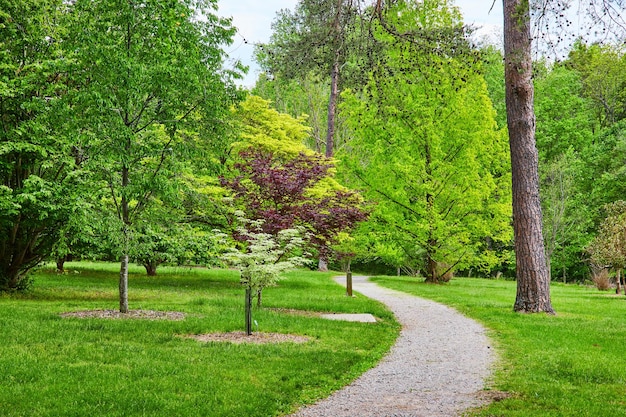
point(253, 20)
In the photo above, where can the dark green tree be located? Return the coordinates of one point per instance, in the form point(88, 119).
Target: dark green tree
point(38, 163)
point(317, 38)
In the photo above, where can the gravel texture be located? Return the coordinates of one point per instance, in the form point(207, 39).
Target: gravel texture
point(258, 338)
point(132, 314)
point(438, 366)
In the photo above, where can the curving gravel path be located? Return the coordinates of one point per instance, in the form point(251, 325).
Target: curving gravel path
point(437, 367)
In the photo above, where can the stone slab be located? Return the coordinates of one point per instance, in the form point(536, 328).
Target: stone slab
point(363, 318)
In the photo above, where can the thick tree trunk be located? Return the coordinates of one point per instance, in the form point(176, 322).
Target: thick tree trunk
point(151, 268)
point(61, 264)
point(533, 280)
point(431, 269)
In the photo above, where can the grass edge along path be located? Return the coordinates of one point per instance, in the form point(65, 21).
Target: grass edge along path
point(570, 364)
point(51, 366)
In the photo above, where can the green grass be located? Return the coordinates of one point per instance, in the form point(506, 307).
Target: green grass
point(570, 364)
point(53, 366)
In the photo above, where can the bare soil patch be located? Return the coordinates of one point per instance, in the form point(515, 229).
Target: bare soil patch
point(493, 396)
point(132, 314)
point(256, 338)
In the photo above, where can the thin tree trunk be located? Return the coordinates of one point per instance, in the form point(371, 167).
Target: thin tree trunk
point(533, 280)
point(248, 311)
point(259, 298)
point(618, 290)
point(125, 232)
point(124, 284)
point(334, 82)
point(332, 107)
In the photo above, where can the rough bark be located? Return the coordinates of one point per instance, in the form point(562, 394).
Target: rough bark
point(533, 280)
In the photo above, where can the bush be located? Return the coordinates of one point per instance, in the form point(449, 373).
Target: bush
point(601, 279)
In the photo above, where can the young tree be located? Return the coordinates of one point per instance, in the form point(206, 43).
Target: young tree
point(294, 193)
point(146, 71)
point(262, 258)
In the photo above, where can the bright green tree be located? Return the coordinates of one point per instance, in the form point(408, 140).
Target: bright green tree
point(147, 74)
point(306, 95)
point(426, 148)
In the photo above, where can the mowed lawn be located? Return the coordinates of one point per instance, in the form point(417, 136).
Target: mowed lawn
point(569, 364)
point(55, 366)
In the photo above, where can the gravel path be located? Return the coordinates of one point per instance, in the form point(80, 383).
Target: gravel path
point(436, 368)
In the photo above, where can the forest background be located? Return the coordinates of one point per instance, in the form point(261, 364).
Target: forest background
point(125, 137)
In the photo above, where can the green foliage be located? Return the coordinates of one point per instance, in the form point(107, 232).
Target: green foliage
point(569, 364)
point(609, 247)
point(149, 77)
point(604, 82)
point(605, 175)
point(564, 115)
point(297, 97)
point(38, 177)
point(426, 148)
point(263, 257)
point(566, 215)
point(263, 128)
point(308, 38)
point(493, 72)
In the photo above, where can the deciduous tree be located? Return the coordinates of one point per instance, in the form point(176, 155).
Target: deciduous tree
point(146, 71)
point(38, 171)
point(425, 145)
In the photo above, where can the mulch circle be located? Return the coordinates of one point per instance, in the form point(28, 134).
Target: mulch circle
point(132, 314)
point(256, 338)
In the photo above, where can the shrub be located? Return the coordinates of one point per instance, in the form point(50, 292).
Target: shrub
point(600, 278)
